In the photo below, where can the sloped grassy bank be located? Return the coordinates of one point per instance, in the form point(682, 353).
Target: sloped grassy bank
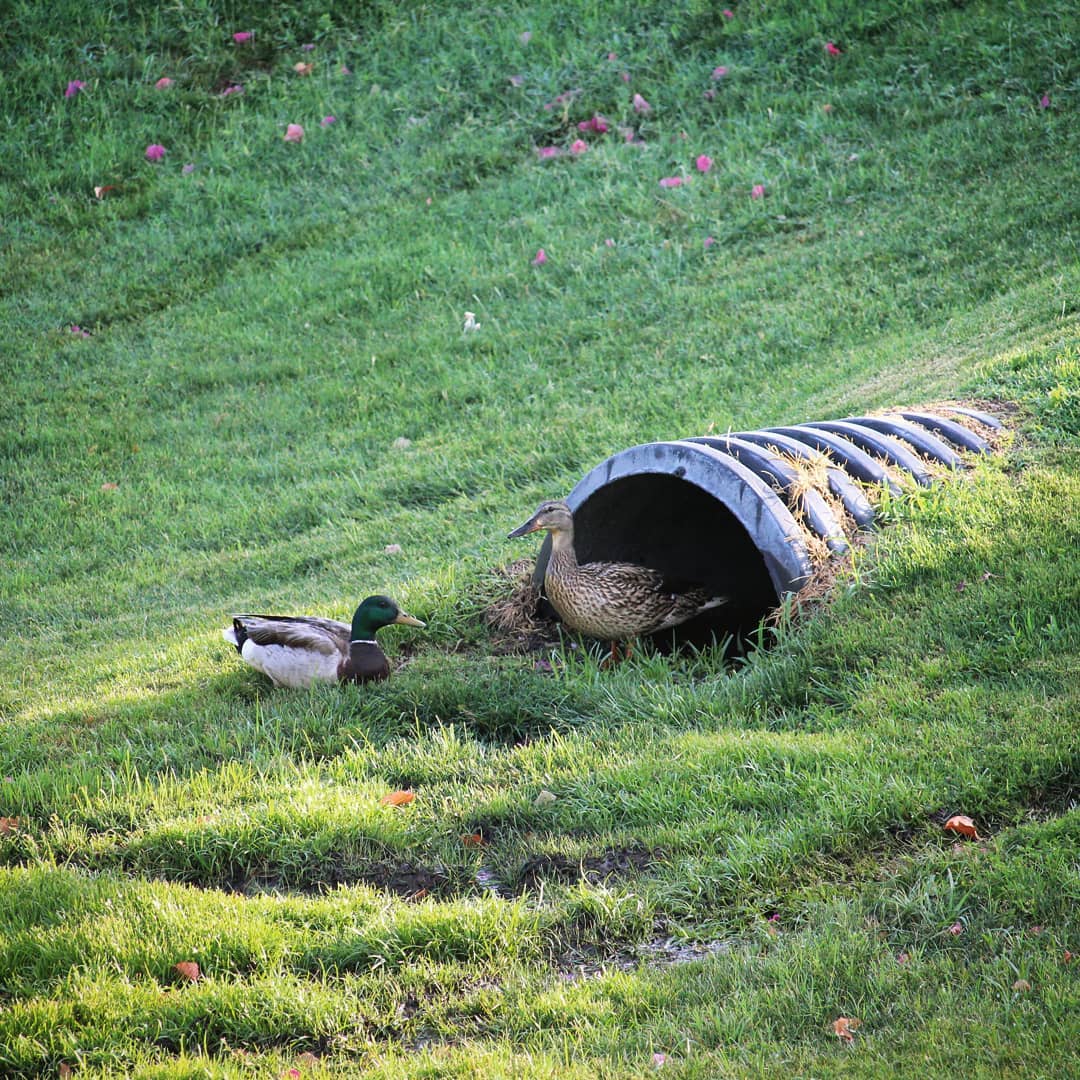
point(679, 857)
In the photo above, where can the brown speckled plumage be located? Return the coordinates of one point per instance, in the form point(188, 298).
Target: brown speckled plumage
point(612, 601)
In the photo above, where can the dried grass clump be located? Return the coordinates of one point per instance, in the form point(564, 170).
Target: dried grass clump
point(515, 613)
point(998, 439)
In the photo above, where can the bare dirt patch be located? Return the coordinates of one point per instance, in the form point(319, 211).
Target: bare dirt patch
point(613, 863)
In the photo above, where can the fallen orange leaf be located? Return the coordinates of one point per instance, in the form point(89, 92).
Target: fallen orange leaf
point(105, 189)
point(109, 486)
point(8, 825)
point(189, 969)
point(960, 823)
point(844, 1026)
point(398, 798)
point(1067, 958)
point(1021, 985)
point(473, 840)
point(64, 1070)
point(303, 69)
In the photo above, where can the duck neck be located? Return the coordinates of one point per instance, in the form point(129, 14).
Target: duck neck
point(562, 547)
point(363, 629)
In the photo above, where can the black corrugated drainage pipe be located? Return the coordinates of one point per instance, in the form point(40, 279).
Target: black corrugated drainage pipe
point(751, 515)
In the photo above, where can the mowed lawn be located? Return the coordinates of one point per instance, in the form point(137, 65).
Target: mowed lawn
point(237, 375)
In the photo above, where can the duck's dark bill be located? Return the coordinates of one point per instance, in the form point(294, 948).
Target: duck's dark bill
point(522, 530)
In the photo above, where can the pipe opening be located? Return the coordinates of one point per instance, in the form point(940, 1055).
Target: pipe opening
point(664, 522)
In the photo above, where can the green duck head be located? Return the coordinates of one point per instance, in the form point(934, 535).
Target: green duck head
point(375, 613)
point(554, 516)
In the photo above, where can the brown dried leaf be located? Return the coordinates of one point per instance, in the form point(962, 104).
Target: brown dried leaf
point(398, 798)
point(189, 969)
point(960, 823)
point(844, 1026)
point(8, 825)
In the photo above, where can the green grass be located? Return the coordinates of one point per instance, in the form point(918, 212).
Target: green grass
point(735, 855)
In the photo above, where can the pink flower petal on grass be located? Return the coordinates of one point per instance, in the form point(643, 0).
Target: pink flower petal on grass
point(539, 258)
point(578, 146)
point(560, 99)
point(307, 48)
point(641, 105)
point(327, 121)
point(163, 83)
point(728, 13)
point(832, 49)
point(242, 36)
point(235, 88)
point(525, 37)
point(544, 152)
point(757, 191)
point(704, 163)
point(294, 133)
point(673, 181)
point(596, 123)
point(719, 72)
point(1044, 101)
point(74, 87)
point(155, 152)
point(709, 241)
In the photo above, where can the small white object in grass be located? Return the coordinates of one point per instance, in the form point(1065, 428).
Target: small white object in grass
point(402, 443)
point(392, 549)
point(545, 798)
point(470, 322)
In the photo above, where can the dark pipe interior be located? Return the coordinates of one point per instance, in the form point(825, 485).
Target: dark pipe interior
point(661, 521)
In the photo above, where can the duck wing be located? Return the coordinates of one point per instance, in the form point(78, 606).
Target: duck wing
point(641, 599)
point(308, 632)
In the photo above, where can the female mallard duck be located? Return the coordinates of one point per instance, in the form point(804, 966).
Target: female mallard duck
point(295, 650)
point(613, 601)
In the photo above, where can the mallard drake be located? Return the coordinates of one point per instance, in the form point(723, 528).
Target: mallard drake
point(296, 650)
point(612, 601)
